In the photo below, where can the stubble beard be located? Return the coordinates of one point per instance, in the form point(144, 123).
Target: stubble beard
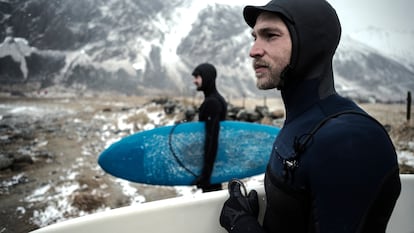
point(268, 80)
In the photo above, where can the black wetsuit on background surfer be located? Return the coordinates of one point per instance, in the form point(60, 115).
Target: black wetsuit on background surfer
point(212, 111)
point(333, 168)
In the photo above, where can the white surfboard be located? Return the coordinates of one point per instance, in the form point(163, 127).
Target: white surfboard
point(200, 213)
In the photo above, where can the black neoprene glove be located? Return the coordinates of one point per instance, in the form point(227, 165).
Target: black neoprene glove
point(238, 206)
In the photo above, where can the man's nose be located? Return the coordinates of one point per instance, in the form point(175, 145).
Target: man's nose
point(256, 50)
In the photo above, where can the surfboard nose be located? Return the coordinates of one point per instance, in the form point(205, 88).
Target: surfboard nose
point(123, 161)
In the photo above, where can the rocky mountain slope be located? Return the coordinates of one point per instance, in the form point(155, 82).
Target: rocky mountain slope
point(151, 47)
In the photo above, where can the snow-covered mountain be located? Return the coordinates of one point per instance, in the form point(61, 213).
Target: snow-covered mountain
point(394, 43)
point(363, 72)
point(151, 47)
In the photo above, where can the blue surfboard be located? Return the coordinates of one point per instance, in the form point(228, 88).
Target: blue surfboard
point(173, 155)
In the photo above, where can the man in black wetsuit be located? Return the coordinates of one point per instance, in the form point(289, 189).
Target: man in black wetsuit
point(212, 111)
point(333, 168)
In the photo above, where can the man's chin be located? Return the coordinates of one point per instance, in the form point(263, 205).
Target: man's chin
point(264, 86)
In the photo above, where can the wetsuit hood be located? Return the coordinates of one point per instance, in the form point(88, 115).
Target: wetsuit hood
point(208, 74)
point(315, 31)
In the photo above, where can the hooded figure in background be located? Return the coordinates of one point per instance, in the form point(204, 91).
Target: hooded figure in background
point(212, 111)
point(333, 168)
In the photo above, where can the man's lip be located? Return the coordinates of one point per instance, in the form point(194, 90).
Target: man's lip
point(260, 69)
point(258, 65)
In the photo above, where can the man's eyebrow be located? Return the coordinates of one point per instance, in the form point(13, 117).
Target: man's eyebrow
point(266, 30)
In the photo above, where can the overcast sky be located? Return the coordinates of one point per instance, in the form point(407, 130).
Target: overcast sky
point(359, 14)
point(385, 14)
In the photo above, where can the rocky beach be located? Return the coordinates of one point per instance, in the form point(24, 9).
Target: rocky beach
point(49, 148)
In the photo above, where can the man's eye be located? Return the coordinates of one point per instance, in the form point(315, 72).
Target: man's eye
point(271, 35)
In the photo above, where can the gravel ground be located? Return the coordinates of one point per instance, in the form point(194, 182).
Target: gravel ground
point(53, 143)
